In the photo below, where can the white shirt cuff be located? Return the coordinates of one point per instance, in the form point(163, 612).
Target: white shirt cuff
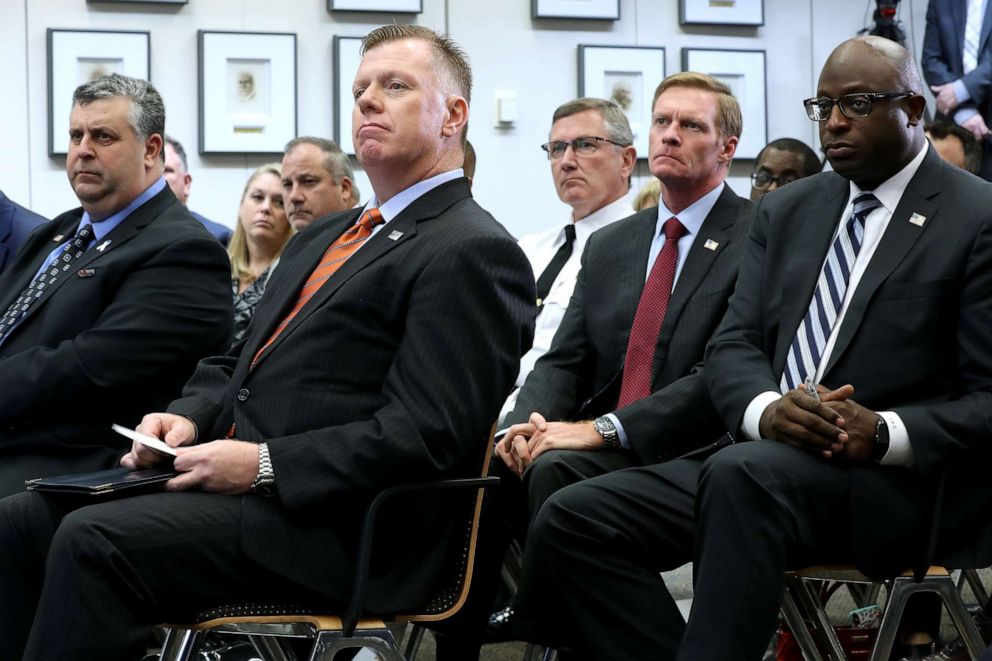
point(900, 452)
point(962, 115)
point(621, 434)
point(751, 425)
point(961, 91)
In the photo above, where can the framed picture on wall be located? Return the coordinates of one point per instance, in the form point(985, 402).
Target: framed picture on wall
point(392, 6)
point(346, 61)
point(627, 75)
point(78, 56)
point(247, 93)
point(721, 12)
point(139, 2)
point(597, 9)
point(743, 71)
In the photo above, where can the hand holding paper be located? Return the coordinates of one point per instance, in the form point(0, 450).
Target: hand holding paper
point(145, 439)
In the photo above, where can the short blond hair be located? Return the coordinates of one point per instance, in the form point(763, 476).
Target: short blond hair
point(728, 115)
point(451, 57)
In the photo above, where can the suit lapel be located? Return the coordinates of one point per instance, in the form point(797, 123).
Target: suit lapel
point(712, 233)
point(804, 260)
point(898, 239)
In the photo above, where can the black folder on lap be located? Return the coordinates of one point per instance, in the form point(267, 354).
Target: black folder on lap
point(116, 480)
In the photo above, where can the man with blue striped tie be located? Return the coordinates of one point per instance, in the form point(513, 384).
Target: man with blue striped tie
point(874, 280)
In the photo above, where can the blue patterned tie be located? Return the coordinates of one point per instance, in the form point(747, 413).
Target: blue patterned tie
point(811, 337)
point(57, 270)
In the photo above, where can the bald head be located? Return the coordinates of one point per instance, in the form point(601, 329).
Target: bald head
point(880, 128)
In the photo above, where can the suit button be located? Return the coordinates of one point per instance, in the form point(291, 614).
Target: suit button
point(243, 395)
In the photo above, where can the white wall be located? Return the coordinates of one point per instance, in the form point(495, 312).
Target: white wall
point(509, 50)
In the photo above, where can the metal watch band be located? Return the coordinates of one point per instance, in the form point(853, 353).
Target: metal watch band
point(265, 481)
point(606, 429)
point(881, 446)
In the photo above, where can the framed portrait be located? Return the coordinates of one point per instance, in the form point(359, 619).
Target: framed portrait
point(79, 56)
point(391, 6)
point(627, 75)
point(138, 2)
point(591, 9)
point(743, 71)
point(721, 12)
point(346, 60)
point(247, 94)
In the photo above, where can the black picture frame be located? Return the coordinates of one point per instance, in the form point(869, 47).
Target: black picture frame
point(377, 6)
point(739, 13)
point(608, 10)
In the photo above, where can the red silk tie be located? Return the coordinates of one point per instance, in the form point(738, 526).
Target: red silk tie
point(334, 257)
point(650, 313)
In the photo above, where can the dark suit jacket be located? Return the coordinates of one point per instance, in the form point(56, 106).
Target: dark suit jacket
point(580, 374)
point(943, 45)
point(392, 373)
point(111, 343)
point(915, 340)
point(16, 223)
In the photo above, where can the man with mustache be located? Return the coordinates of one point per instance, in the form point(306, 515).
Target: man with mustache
point(106, 309)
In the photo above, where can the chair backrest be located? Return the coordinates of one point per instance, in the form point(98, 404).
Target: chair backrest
point(451, 597)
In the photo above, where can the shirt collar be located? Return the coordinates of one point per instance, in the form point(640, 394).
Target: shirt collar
point(890, 191)
point(102, 228)
point(405, 198)
point(692, 216)
point(601, 217)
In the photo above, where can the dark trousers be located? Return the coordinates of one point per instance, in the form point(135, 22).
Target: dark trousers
point(596, 548)
point(81, 581)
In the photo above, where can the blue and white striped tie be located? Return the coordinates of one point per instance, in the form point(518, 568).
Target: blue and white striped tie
point(972, 35)
point(811, 337)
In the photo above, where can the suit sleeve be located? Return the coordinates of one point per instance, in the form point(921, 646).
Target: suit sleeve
point(562, 378)
point(737, 365)
point(175, 305)
point(468, 321)
point(933, 60)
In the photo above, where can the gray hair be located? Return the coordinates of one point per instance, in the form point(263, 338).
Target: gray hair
point(180, 152)
point(147, 112)
point(335, 161)
point(614, 120)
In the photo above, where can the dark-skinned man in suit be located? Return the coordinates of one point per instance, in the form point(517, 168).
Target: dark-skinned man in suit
point(381, 352)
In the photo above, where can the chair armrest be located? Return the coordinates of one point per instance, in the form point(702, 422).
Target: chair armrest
point(358, 593)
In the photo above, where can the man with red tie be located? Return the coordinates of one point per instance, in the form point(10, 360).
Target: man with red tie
point(382, 351)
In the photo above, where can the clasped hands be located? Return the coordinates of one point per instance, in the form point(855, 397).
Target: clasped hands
point(222, 466)
point(835, 427)
point(526, 441)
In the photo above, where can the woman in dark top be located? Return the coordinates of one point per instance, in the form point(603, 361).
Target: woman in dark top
point(258, 240)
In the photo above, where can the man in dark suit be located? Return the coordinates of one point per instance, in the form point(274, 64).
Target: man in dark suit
point(16, 223)
point(180, 180)
point(120, 328)
point(957, 63)
point(903, 356)
point(349, 381)
point(618, 388)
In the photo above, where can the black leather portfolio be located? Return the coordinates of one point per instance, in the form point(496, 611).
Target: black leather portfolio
point(116, 480)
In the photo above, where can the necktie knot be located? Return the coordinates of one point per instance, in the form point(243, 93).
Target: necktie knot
point(570, 233)
point(370, 219)
point(864, 204)
point(673, 229)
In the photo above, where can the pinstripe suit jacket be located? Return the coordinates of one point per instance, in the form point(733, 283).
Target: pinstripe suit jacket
point(392, 373)
point(580, 375)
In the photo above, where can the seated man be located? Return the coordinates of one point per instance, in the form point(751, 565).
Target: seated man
point(360, 371)
point(317, 180)
point(780, 162)
point(106, 309)
point(180, 180)
point(873, 279)
point(16, 223)
point(955, 144)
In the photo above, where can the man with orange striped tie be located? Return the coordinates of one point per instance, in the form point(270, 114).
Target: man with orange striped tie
point(385, 344)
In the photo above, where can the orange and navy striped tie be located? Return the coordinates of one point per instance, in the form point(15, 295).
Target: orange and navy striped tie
point(334, 257)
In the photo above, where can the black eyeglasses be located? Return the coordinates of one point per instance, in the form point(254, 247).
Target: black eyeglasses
point(584, 146)
point(851, 106)
point(761, 180)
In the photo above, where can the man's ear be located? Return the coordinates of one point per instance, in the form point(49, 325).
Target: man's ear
point(153, 150)
point(457, 116)
point(915, 107)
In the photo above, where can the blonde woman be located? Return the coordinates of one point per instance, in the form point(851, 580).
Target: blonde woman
point(258, 240)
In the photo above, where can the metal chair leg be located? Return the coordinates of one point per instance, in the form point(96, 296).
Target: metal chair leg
point(181, 645)
point(329, 643)
point(824, 632)
point(414, 641)
point(977, 587)
point(794, 619)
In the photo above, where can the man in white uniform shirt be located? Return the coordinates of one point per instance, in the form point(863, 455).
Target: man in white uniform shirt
point(592, 176)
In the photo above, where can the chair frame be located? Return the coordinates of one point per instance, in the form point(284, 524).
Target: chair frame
point(354, 629)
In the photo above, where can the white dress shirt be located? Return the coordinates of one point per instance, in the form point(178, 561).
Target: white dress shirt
point(889, 193)
point(540, 248)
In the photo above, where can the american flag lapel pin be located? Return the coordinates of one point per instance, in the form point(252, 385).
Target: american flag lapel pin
point(57, 238)
point(395, 235)
point(711, 244)
point(917, 219)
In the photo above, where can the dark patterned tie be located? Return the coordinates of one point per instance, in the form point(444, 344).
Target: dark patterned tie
point(828, 298)
point(58, 270)
point(555, 266)
point(650, 314)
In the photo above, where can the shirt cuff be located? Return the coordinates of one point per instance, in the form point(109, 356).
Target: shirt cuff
point(621, 434)
point(751, 425)
point(962, 115)
point(960, 91)
point(900, 451)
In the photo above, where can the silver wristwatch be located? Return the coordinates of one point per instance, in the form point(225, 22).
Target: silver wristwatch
point(265, 481)
point(606, 429)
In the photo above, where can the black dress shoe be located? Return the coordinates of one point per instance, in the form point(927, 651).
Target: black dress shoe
point(498, 629)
